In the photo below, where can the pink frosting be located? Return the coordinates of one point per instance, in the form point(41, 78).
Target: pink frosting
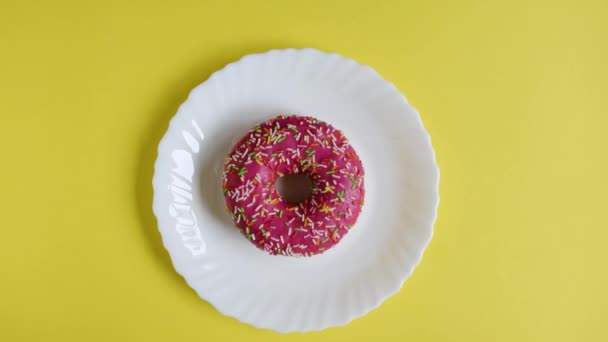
point(288, 145)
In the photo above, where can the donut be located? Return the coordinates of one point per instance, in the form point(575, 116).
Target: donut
point(287, 145)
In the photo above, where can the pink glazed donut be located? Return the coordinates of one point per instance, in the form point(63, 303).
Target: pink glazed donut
point(288, 145)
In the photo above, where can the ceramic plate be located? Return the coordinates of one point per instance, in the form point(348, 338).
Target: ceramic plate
point(285, 293)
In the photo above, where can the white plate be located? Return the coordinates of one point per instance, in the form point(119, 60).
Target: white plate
point(285, 293)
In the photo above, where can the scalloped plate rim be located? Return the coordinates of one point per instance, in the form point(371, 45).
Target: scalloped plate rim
point(161, 217)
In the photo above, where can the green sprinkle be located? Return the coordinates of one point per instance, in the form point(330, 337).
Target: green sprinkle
point(268, 184)
point(330, 172)
point(341, 195)
point(334, 232)
point(325, 240)
point(280, 213)
point(310, 152)
point(293, 128)
point(342, 213)
point(353, 180)
point(274, 154)
point(281, 139)
point(225, 190)
point(242, 171)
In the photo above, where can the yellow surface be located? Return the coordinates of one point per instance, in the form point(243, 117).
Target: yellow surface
point(514, 95)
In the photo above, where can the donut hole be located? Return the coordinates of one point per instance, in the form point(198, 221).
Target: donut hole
point(294, 188)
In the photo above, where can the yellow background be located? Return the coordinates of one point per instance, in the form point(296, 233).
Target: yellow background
point(513, 94)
